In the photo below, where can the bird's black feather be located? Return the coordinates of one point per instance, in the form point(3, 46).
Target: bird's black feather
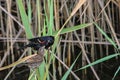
point(39, 42)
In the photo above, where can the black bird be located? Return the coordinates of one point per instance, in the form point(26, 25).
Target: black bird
point(39, 42)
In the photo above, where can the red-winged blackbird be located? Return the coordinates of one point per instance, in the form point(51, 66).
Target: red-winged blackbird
point(39, 42)
point(36, 60)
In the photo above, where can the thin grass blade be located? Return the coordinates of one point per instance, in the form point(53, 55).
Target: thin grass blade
point(68, 72)
point(100, 60)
